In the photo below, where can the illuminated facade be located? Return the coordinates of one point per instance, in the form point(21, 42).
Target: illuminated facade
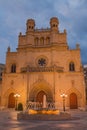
point(85, 76)
point(2, 66)
point(44, 65)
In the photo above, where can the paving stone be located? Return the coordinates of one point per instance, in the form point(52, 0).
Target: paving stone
point(8, 121)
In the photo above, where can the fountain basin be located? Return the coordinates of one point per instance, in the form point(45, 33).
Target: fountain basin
point(44, 111)
point(44, 115)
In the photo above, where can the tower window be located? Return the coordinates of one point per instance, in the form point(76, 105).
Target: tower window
point(71, 67)
point(13, 68)
point(1, 74)
point(53, 25)
point(29, 27)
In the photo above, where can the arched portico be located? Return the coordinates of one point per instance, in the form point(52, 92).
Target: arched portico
point(74, 98)
point(73, 101)
point(38, 90)
point(39, 97)
point(11, 101)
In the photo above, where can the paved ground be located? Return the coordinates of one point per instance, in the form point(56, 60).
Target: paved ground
point(8, 121)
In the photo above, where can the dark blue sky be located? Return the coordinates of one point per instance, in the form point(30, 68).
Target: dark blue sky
point(72, 15)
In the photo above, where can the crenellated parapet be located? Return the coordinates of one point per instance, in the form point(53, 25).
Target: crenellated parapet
point(42, 37)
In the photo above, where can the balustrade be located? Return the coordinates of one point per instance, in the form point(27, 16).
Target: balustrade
point(42, 69)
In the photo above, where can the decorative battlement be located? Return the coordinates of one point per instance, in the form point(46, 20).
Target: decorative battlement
point(42, 37)
point(42, 29)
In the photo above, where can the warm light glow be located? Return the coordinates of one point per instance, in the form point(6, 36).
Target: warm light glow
point(54, 112)
point(16, 100)
point(63, 95)
point(17, 95)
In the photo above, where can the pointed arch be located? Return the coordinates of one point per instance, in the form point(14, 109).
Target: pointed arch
point(11, 101)
point(10, 90)
point(9, 96)
point(73, 101)
point(71, 66)
point(74, 97)
point(38, 87)
point(70, 63)
point(13, 68)
point(39, 97)
point(74, 90)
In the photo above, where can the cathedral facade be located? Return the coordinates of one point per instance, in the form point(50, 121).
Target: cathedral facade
point(43, 65)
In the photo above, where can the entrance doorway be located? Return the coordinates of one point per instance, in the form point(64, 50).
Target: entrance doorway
point(39, 97)
point(73, 101)
point(11, 101)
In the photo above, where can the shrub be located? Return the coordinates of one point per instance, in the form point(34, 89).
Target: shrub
point(20, 107)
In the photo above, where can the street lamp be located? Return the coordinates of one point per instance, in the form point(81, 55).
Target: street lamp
point(16, 101)
point(63, 96)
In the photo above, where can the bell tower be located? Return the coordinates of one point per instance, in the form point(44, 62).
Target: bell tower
point(54, 22)
point(30, 25)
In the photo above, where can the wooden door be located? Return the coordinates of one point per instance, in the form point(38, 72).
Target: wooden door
point(39, 97)
point(11, 101)
point(73, 101)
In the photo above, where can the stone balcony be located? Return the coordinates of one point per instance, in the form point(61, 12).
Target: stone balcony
point(42, 69)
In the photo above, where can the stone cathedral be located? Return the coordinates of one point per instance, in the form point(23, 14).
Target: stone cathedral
point(43, 65)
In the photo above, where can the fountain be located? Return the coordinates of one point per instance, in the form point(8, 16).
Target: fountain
point(43, 108)
point(42, 111)
point(44, 101)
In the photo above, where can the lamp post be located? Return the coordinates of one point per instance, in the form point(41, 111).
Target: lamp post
point(63, 96)
point(16, 101)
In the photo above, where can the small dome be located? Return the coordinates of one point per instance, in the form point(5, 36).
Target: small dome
point(30, 25)
point(54, 19)
point(54, 22)
point(31, 21)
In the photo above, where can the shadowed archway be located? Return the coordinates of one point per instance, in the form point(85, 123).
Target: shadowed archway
point(74, 98)
point(73, 101)
point(39, 97)
point(11, 101)
point(38, 90)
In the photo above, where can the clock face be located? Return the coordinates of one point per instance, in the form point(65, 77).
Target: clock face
point(42, 62)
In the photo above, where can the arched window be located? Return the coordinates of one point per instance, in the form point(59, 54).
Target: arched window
point(36, 41)
point(41, 41)
point(71, 66)
point(13, 68)
point(53, 25)
point(47, 40)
